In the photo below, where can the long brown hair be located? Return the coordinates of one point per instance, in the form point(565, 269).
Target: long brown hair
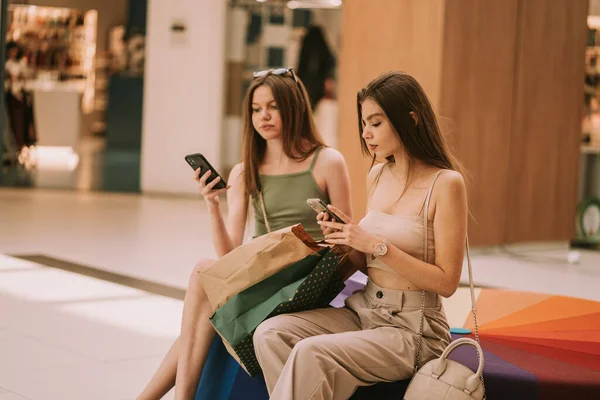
point(300, 136)
point(398, 94)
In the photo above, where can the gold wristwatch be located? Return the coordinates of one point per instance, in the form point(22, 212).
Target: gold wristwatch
point(381, 249)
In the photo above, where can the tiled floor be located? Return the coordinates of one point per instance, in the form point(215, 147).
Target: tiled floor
point(64, 335)
point(67, 336)
point(160, 239)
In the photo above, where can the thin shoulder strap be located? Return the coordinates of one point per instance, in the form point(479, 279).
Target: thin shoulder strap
point(425, 205)
point(314, 160)
point(264, 211)
point(261, 199)
point(471, 287)
point(426, 259)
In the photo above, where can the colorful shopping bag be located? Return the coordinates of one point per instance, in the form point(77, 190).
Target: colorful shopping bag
point(254, 261)
point(307, 284)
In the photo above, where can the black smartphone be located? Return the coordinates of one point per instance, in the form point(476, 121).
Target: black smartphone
point(319, 206)
point(197, 160)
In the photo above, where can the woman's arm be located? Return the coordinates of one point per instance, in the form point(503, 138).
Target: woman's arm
point(358, 258)
point(228, 237)
point(338, 186)
point(332, 166)
point(450, 227)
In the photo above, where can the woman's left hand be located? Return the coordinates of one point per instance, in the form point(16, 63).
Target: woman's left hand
point(349, 234)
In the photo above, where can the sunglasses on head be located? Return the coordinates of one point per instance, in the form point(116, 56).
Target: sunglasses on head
point(277, 71)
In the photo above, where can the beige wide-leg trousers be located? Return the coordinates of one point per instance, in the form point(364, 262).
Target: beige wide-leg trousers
point(327, 353)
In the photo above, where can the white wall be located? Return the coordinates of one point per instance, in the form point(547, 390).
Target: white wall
point(231, 141)
point(183, 92)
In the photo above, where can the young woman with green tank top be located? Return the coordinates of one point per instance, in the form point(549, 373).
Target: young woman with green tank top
point(283, 159)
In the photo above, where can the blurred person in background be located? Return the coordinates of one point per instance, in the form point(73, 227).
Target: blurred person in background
point(316, 63)
point(19, 103)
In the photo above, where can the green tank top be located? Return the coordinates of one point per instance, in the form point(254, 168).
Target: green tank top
point(285, 201)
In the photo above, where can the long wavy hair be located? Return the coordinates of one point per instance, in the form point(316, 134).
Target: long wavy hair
point(300, 135)
point(398, 94)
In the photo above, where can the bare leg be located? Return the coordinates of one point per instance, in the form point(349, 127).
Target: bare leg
point(197, 334)
point(164, 378)
point(183, 363)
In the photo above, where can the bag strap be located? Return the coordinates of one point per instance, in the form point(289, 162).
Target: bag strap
point(426, 259)
point(264, 211)
point(262, 202)
point(474, 311)
point(471, 287)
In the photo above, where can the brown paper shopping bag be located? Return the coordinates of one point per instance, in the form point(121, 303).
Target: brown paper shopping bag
point(254, 261)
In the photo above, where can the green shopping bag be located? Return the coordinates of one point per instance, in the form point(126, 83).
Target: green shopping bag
point(310, 283)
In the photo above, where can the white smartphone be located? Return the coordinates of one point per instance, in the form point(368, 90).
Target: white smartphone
point(319, 206)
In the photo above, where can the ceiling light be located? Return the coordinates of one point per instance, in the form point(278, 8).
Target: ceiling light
point(308, 4)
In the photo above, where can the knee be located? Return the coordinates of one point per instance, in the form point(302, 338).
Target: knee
point(270, 331)
point(202, 265)
point(310, 349)
point(198, 268)
point(195, 290)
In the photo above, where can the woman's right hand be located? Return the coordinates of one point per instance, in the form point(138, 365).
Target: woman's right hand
point(206, 190)
point(323, 216)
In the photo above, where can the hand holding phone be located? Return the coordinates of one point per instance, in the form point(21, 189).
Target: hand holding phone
point(320, 207)
point(211, 183)
point(198, 161)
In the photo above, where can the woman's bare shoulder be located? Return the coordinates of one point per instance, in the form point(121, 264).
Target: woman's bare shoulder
point(450, 191)
point(450, 181)
point(330, 161)
point(329, 155)
point(374, 172)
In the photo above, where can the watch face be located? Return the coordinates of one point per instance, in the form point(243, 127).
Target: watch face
point(381, 249)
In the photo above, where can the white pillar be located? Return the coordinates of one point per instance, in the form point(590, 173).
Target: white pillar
point(237, 25)
point(183, 91)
